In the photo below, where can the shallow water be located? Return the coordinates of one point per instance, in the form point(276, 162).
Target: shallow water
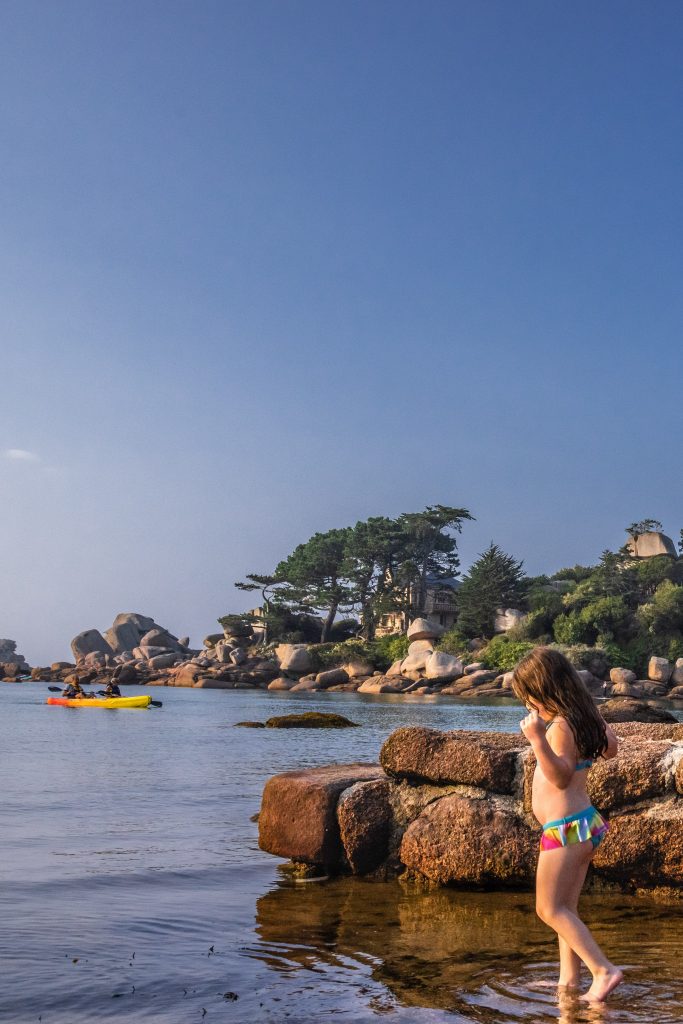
point(132, 887)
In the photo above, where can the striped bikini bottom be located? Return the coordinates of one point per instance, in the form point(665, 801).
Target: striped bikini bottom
point(575, 828)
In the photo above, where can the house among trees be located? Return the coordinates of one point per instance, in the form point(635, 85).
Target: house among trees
point(439, 606)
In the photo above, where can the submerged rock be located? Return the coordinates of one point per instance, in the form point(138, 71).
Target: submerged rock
point(310, 720)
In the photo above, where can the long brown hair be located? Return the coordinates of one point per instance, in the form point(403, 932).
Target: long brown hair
point(548, 678)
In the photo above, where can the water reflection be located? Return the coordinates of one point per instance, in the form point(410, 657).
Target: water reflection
point(480, 957)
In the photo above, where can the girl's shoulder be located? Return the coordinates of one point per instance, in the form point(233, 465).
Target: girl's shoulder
point(560, 733)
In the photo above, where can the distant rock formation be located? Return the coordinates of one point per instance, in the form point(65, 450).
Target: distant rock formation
point(131, 637)
point(651, 544)
point(12, 664)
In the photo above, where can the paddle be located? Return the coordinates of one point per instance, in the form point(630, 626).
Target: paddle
point(152, 703)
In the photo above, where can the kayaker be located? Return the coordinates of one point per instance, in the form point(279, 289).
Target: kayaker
point(73, 691)
point(112, 690)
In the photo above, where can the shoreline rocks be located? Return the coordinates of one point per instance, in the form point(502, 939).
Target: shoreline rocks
point(454, 808)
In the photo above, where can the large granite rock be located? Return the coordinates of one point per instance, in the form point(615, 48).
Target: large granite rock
point(488, 760)
point(364, 815)
point(415, 662)
point(424, 629)
point(298, 817)
point(649, 545)
point(332, 677)
point(507, 618)
point(640, 771)
point(443, 667)
point(294, 658)
point(494, 846)
point(471, 824)
point(89, 642)
point(9, 656)
point(625, 709)
point(659, 669)
point(644, 849)
point(622, 675)
point(677, 674)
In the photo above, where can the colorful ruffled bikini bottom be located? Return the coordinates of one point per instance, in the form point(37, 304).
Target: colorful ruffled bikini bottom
point(576, 828)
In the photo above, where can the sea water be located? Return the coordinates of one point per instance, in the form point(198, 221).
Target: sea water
point(132, 887)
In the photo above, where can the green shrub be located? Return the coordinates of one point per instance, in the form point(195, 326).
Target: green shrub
point(380, 653)
point(594, 659)
point(536, 625)
point(503, 653)
point(569, 629)
point(675, 649)
point(454, 642)
point(388, 649)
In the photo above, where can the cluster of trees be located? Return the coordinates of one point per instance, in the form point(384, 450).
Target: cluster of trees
point(377, 566)
point(629, 607)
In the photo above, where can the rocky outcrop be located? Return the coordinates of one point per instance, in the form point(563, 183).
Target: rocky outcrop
point(455, 808)
point(90, 641)
point(651, 544)
point(12, 665)
point(507, 618)
point(625, 709)
point(294, 658)
point(298, 817)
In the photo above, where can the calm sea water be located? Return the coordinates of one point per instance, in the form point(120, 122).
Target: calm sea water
point(132, 887)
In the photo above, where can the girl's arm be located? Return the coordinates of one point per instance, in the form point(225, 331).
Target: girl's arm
point(612, 742)
point(557, 762)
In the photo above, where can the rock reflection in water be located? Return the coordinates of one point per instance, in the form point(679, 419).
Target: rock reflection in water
point(481, 957)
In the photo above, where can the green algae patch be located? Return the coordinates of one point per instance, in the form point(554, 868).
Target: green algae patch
point(310, 720)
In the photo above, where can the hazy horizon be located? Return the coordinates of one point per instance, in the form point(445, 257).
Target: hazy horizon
point(274, 268)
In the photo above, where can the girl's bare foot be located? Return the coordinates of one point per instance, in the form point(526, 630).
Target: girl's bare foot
point(604, 982)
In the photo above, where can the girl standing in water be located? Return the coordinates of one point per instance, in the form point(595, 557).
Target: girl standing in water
point(567, 734)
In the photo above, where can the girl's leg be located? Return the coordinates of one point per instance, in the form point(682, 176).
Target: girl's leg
point(556, 905)
point(570, 962)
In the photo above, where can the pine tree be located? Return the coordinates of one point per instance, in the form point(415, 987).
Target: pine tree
point(495, 580)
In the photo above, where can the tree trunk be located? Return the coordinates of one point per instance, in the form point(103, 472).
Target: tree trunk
point(327, 624)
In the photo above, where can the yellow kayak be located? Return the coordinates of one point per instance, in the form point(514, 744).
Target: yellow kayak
point(101, 702)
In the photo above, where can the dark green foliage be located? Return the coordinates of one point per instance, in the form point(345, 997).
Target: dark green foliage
point(644, 526)
point(454, 641)
point(503, 652)
point(662, 617)
point(608, 617)
point(577, 573)
point(344, 629)
point(380, 565)
point(388, 649)
point(496, 580)
point(379, 653)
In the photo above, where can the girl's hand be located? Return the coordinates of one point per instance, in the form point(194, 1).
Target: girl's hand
point(533, 727)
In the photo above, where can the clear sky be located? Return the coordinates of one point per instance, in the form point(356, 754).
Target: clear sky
point(272, 267)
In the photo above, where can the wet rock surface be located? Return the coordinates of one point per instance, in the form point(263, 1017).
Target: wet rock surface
point(455, 808)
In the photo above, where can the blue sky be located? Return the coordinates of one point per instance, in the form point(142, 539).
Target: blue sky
point(273, 267)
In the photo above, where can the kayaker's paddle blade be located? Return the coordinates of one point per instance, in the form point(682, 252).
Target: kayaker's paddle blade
point(156, 704)
point(55, 689)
